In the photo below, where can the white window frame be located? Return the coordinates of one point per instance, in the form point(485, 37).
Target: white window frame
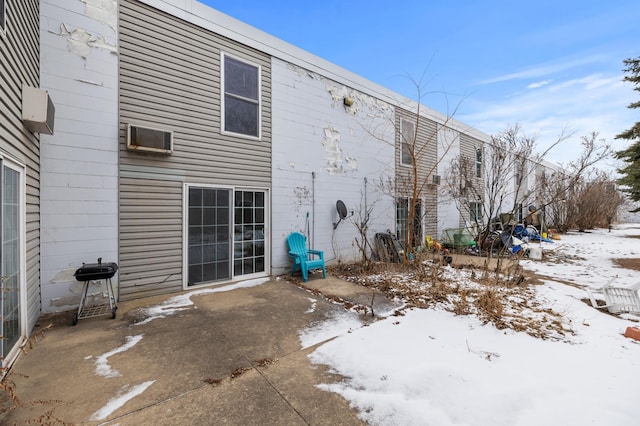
point(476, 211)
point(404, 142)
point(185, 234)
point(478, 162)
point(224, 55)
point(21, 170)
point(400, 236)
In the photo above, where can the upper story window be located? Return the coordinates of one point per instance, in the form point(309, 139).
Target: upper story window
point(478, 162)
point(407, 136)
point(519, 172)
point(241, 97)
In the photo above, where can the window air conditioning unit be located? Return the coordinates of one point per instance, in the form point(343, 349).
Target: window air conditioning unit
point(38, 112)
point(435, 179)
point(149, 139)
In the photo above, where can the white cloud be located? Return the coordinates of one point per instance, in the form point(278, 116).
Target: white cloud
point(582, 105)
point(549, 68)
point(538, 84)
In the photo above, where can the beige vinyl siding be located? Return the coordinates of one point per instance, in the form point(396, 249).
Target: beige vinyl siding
point(426, 152)
point(19, 64)
point(170, 79)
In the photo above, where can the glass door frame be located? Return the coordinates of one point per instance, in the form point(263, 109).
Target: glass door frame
point(22, 262)
point(185, 236)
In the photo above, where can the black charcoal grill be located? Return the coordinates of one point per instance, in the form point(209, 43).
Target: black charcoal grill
point(96, 272)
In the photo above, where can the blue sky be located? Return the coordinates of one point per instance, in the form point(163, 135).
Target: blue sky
point(548, 65)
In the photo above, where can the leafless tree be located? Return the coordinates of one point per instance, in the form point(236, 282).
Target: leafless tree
point(418, 156)
point(594, 202)
point(571, 196)
point(361, 220)
point(424, 153)
point(496, 183)
point(568, 189)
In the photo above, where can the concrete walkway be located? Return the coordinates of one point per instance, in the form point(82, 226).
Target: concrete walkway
point(233, 356)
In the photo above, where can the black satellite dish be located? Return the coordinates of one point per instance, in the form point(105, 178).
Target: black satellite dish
point(342, 212)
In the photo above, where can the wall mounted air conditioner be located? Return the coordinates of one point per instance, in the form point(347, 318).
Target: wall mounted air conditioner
point(38, 112)
point(148, 139)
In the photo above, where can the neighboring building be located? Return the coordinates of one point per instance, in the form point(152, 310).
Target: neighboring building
point(417, 155)
point(188, 145)
point(25, 112)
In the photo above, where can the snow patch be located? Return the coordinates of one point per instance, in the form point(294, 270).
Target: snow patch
point(338, 323)
point(433, 367)
point(114, 403)
point(314, 303)
point(102, 366)
point(182, 302)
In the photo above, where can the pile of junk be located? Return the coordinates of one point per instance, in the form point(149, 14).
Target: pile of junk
point(506, 234)
point(503, 234)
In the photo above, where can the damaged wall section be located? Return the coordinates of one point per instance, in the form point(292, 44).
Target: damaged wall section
point(79, 162)
point(331, 149)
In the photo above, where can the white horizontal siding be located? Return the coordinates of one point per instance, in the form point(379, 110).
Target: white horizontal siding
point(303, 107)
point(79, 161)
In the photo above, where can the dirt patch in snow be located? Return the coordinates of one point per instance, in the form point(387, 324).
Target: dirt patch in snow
point(628, 263)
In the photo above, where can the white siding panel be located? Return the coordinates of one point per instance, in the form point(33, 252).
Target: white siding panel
point(448, 150)
point(312, 171)
point(79, 161)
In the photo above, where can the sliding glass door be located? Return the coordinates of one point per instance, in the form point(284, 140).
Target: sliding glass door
point(10, 244)
point(225, 233)
point(209, 254)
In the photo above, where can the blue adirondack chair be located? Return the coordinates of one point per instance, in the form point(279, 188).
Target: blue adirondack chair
point(303, 259)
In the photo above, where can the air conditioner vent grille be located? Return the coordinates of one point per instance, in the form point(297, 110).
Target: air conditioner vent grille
point(148, 139)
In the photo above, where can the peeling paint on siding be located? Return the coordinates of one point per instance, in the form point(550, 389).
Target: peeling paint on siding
point(352, 163)
point(64, 275)
point(301, 72)
point(80, 42)
point(105, 11)
point(97, 291)
point(302, 197)
point(337, 162)
point(95, 83)
point(375, 107)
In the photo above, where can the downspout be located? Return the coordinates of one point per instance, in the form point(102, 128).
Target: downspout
point(313, 209)
point(365, 220)
point(366, 211)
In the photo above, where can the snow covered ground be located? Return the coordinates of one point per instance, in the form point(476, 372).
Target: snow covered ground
point(431, 367)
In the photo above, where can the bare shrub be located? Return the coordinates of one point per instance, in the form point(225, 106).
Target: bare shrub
point(489, 304)
point(461, 306)
point(504, 299)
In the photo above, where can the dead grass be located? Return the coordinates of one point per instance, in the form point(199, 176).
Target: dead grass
point(508, 301)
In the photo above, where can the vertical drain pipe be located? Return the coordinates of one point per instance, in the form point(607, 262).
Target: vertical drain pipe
point(313, 209)
point(366, 214)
